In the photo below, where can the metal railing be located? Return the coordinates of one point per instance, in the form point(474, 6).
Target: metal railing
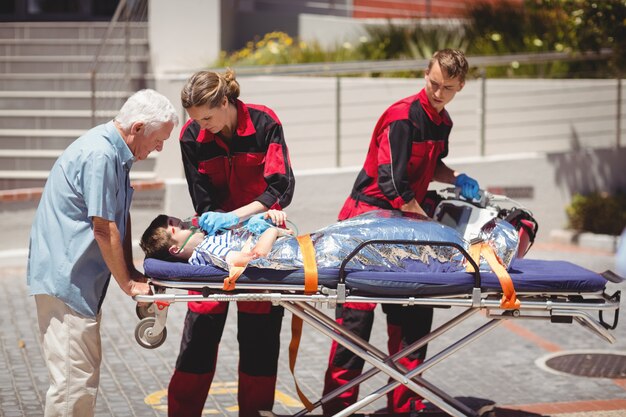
point(386, 66)
point(127, 12)
point(130, 10)
point(342, 96)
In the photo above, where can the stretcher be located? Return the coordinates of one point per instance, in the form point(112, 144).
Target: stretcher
point(555, 291)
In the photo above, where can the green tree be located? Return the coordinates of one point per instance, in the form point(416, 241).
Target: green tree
point(551, 25)
point(600, 24)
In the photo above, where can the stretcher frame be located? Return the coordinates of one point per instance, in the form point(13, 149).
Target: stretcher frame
point(560, 307)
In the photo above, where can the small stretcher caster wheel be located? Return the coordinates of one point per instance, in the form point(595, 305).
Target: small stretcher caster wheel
point(144, 310)
point(144, 336)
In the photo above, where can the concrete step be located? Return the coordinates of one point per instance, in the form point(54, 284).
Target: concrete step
point(45, 91)
point(52, 119)
point(62, 100)
point(73, 82)
point(73, 64)
point(34, 160)
point(27, 160)
point(13, 139)
point(63, 47)
point(67, 30)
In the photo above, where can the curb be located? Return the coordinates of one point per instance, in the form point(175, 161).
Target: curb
point(588, 240)
point(21, 194)
point(34, 194)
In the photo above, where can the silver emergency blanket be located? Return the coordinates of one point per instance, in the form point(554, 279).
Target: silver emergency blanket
point(334, 243)
point(503, 238)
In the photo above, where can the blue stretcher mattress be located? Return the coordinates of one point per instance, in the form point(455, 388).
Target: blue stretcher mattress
point(528, 275)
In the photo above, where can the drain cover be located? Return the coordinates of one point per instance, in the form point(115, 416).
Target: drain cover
point(589, 364)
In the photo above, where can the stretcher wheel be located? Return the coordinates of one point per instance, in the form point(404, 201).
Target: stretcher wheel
point(144, 310)
point(143, 334)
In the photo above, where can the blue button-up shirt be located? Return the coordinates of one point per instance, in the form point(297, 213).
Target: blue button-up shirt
point(90, 178)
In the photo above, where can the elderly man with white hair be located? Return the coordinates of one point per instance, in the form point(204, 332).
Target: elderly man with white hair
point(80, 236)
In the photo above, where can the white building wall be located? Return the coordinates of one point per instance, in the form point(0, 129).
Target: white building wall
point(184, 34)
point(334, 31)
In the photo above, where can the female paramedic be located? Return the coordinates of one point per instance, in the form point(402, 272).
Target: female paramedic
point(405, 154)
point(237, 164)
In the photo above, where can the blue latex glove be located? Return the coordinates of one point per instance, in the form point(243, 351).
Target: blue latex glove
point(469, 187)
point(212, 221)
point(258, 224)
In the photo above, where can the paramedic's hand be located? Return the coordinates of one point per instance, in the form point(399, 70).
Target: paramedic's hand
point(259, 223)
point(469, 187)
point(277, 217)
point(212, 221)
point(263, 221)
point(413, 207)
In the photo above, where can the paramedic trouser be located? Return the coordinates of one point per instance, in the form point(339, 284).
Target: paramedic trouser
point(405, 325)
point(259, 343)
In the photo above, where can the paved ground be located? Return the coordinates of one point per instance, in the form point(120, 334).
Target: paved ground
point(501, 367)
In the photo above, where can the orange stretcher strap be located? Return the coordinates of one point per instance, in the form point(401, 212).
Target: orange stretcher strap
point(235, 272)
point(310, 287)
point(310, 266)
point(509, 299)
point(294, 345)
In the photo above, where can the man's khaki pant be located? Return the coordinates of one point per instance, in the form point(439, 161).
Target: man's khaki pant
point(73, 352)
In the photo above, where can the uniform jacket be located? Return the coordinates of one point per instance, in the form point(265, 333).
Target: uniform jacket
point(253, 166)
point(408, 142)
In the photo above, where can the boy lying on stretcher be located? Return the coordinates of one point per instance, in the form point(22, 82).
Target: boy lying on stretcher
point(169, 238)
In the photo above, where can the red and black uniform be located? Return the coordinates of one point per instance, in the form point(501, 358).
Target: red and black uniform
point(225, 175)
point(408, 142)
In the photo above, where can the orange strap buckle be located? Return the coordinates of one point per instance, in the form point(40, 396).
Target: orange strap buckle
point(310, 287)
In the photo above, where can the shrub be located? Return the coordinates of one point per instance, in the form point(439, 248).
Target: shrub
point(278, 48)
point(550, 25)
point(489, 28)
point(598, 213)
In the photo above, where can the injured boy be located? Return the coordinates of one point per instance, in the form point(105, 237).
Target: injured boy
point(169, 238)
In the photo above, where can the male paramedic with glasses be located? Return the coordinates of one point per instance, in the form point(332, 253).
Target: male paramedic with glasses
point(405, 154)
